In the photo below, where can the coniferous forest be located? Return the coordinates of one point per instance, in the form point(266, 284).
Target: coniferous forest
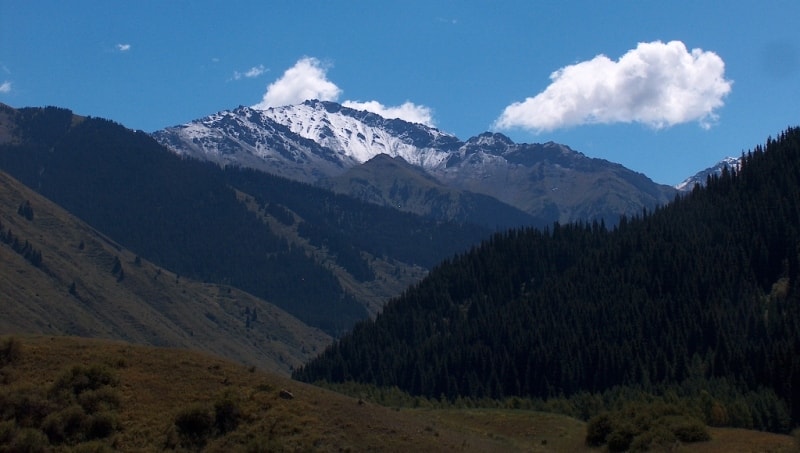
point(184, 215)
point(705, 290)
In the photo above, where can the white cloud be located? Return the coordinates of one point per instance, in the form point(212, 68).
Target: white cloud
point(251, 73)
point(123, 47)
point(407, 111)
point(307, 79)
point(656, 84)
point(5, 87)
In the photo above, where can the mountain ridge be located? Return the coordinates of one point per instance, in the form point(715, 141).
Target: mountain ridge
point(491, 164)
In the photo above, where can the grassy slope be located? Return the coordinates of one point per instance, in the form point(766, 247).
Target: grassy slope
point(149, 305)
point(157, 383)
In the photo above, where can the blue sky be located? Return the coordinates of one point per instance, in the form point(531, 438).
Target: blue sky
point(664, 88)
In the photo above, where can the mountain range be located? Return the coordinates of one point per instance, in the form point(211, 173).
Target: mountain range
point(328, 259)
point(327, 144)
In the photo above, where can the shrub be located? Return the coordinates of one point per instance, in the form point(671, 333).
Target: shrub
point(598, 429)
point(66, 426)
point(8, 430)
point(688, 429)
point(658, 437)
point(10, 351)
point(639, 427)
point(30, 440)
point(102, 399)
point(79, 379)
point(102, 425)
point(25, 405)
point(92, 447)
point(620, 439)
point(226, 415)
point(195, 425)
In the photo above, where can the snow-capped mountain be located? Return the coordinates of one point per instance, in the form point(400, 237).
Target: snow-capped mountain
point(700, 178)
point(317, 140)
point(307, 141)
point(359, 135)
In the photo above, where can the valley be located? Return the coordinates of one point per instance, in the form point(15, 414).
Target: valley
point(490, 285)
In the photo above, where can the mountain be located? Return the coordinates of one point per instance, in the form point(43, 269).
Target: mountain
point(697, 301)
point(316, 141)
point(391, 181)
point(700, 178)
point(60, 276)
point(266, 235)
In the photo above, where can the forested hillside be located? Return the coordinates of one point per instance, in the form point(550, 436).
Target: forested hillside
point(186, 215)
point(704, 290)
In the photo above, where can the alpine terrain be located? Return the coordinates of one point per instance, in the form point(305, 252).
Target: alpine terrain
point(323, 143)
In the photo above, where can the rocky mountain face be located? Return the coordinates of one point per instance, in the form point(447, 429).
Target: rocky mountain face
point(319, 142)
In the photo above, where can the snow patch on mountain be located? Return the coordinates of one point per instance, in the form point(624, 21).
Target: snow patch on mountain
point(361, 135)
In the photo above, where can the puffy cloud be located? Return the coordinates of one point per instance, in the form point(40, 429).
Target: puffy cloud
point(123, 47)
point(5, 87)
point(656, 84)
point(307, 79)
point(251, 73)
point(407, 111)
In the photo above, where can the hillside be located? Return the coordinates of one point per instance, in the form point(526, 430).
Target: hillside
point(391, 181)
point(263, 234)
point(151, 399)
point(697, 298)
point(66, 278)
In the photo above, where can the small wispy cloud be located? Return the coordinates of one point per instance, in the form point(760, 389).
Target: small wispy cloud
point(5, 87)
point(251, 73)
point(123, 47)
point(656, 84)
point(308, 79)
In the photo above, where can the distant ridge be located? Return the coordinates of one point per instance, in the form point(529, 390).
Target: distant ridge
point(316, 141)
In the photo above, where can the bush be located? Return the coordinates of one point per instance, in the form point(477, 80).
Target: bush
point(30, 440)
point(102, 425)
point(658, 437)
point(226, 415)
point(102, 399)
point(688, 429)
point(25, 405)
point(81, 378)
point(639, 427)
point(598, 429)
point(194, 425)
point(66, 426)
point(10, 351)
point(8, 430)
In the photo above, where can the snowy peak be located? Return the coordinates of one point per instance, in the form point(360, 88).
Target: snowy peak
point(700, 178)
point(361, 135)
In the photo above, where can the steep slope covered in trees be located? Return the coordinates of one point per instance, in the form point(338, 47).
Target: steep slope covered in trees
point(187, 215)
point(705, 288)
